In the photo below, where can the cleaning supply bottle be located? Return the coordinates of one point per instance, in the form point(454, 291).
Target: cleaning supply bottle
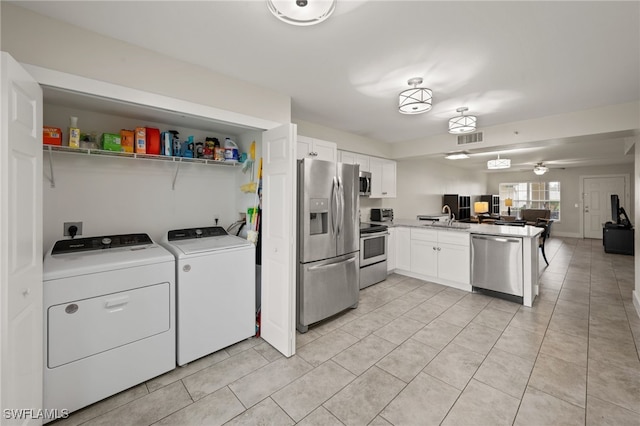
point(230, 150)
point(74, 133)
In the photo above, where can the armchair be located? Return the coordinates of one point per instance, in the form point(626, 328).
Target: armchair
point(531, 216)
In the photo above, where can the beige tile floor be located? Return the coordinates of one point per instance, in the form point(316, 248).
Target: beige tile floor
point(417, 353)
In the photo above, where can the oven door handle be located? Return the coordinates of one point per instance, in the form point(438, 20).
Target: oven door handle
point(370, 236)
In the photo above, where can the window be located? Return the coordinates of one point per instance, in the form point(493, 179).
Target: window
point(531, 195)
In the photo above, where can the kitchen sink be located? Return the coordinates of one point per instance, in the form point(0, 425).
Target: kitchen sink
point(453, 225)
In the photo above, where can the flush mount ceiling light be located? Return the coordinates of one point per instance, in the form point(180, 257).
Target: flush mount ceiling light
point(302, 12)
point(499, 163)
point(416, 100)
point(540, 169)
point(456, 156)
point(462, 123)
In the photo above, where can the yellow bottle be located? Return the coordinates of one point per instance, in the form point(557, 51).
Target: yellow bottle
point(74, 133)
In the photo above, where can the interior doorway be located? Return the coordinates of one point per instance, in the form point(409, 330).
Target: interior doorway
point(597, 192)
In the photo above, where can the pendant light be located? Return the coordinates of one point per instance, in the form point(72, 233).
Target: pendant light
point(462, 123)
point(302, 12)
point(416, 100)
point(540, 169)
point(499, 163)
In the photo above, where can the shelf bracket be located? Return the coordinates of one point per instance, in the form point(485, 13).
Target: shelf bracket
point(51, 178)
point(175, 176)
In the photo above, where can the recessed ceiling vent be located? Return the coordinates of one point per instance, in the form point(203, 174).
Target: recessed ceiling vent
point(470, 138)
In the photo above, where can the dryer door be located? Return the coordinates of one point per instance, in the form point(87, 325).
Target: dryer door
point(86, 327)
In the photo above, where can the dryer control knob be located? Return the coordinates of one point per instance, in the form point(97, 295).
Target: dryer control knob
point(106, 241)
point(198, 232)
point(186, 268)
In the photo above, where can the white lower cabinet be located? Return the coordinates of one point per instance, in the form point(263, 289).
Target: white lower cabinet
point(403, 248)
point(440, 256)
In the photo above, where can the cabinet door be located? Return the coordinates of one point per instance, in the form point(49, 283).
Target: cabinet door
point(403, 248)
point(346, 157)
point(454, 263)
point(383, 178)
point(363, 160)
point(424, 257)
point(389, 179)
point(305, 147)
point(391, 250)
point(327, 151)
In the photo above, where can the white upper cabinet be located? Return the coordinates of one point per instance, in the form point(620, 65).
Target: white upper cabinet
point(316, 148)
point(383, 178)
point(354, 158)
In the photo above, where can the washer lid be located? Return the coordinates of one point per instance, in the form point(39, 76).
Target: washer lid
point(204, 245)
point(72, 264)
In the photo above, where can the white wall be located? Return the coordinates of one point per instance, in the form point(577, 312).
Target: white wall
point(346, 141)
point(421, 183)
point(38, 40)
point(569, 178)
point(636, 216)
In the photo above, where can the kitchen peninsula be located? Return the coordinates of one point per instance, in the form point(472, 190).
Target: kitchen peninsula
point(441, 253)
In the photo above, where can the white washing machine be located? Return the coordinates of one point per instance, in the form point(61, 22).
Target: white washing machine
point(109, 317)
point(215, 290)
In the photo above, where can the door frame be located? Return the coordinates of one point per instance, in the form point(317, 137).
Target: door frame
point(627, 193)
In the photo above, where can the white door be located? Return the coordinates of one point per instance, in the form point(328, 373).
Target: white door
point(21, 335)
point(597, 202)
point(278, 312)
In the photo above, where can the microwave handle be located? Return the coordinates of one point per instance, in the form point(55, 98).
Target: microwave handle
point(368, 185)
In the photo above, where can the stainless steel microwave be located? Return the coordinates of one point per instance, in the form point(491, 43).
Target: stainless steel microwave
point(365, 183)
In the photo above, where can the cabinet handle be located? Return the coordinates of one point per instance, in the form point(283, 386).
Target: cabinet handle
point(439, 249)
point(434, 248)
point(384, 193)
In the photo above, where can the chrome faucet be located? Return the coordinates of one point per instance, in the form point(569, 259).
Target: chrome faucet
point(451, 216)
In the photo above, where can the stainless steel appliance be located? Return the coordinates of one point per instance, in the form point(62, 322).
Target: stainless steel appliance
point(373, 254)
point(365, 183)
point(496, 264)
point(382, 215)
point(328, 273)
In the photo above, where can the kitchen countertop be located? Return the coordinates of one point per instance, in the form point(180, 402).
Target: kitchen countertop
point(474, 228)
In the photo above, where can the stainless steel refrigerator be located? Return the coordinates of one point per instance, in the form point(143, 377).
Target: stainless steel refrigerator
point(328, 240)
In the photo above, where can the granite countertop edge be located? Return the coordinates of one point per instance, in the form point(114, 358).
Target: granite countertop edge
point(474, 228)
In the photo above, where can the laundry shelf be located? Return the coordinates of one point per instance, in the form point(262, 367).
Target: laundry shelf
point(103, 153)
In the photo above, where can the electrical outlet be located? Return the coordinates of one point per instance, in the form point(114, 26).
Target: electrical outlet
point(68, 225)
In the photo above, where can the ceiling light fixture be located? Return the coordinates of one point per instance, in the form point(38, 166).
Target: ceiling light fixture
point(416, 100)
point(499, 163)
point(302, 12)
point(456, 156)
point(462, 123)
point(540, 169)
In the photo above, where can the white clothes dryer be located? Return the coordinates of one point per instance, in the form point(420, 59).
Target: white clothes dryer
point(109, 317)
point(215, 290)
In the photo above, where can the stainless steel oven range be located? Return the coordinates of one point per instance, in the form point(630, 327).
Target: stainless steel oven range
point(373, 254)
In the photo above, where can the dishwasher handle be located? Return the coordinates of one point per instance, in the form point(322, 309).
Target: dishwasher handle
point(496, 238)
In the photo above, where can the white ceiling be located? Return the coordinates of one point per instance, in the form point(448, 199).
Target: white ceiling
point(505, 61)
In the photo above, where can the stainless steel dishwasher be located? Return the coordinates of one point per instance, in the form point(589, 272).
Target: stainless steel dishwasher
point(496, 264)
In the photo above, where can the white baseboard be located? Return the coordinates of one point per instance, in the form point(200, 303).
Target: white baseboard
point(636, 301)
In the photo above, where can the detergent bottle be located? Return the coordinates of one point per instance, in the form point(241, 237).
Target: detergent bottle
point(230, 150)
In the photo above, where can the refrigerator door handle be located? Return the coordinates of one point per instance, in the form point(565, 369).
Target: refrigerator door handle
point(334, 206)
point(333, 264)
point(340, 205)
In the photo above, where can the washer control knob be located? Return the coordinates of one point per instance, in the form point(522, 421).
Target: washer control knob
point(198, 233)
point(71, 309)
point(106, 241)
point(186, 268)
